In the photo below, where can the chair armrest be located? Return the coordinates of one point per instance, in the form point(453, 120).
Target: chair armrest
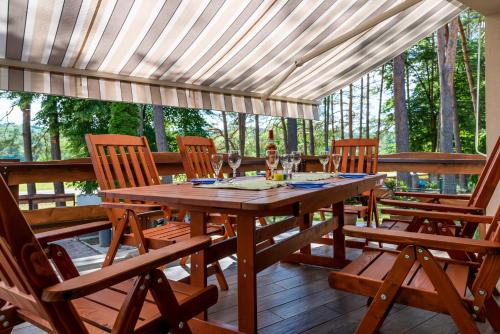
point(432, 241)
point(90, 283)
point(131, 206)
point(72, 231)
point(433, 206)
point(440, 215)
point(430, 195)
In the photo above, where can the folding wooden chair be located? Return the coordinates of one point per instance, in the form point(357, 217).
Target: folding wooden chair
point(122, 161)
point(416, 277)
point(475, 203)
point(132, 296)
point(195, 153)
point(357, 156)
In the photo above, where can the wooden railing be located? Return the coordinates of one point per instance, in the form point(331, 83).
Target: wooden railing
point(16, 173)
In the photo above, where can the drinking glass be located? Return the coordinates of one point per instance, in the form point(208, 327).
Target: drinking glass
point(272, 160)
point(287, 162)
point(296, 156)
point(234, 160)
point(324, 157)
point(336, 163)
point(217, 160)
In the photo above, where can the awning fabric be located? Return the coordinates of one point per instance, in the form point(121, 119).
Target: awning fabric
point(207, 54)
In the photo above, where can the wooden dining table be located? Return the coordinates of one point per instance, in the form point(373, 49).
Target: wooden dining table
point(296, 205)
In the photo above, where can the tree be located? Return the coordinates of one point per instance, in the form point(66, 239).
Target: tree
point(124, 118)
point(350, 111)
point(225, 133)
point(257, 137)
point(361, 110)
point(291, 135)
point(48, 117)
point(381, 94)
point(242, 131)
point(304, 135)
point(311, 137)
point(326, 102)
point(160, 135)
point(447, 45)
point(367, 105)
point(285, 133)
point(468, 68)
point(400, 112)
point(341, 114)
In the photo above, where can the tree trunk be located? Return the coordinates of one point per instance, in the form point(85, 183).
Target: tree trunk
point(311, 137)
point(381, 94)
point(361, 100)
point(304, 135)
point(367, 126)
point(55, 152)
point(326, 101)
point(142, 111)
point(291, 134)
point(28, 152)
point(285, 133)
point(341, 114)
point(468, 68)
point(332, 117)
point(257, 137)
point(350, 111)
point(160, 136)
point(242, 117)
point(226, 134)
point(400, 113)
point(447, 45)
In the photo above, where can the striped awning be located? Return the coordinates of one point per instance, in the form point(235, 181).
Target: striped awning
point(256, 56)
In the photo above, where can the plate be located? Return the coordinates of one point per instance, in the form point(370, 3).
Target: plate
point(202, 181)
point(307, 184)
point(352, 175)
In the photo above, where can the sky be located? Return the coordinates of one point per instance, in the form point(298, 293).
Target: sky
point(16, 115)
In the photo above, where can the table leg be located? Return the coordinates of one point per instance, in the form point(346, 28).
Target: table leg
point(247, 277)
point(304, 223)
point(198, 263)
point(338, 234)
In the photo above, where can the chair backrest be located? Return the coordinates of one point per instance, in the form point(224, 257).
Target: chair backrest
point(488, 179)
point(356, 155)
point(122, 161)
point(25, 269)
point(195, 154)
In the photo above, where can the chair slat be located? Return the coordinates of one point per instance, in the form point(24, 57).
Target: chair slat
point(105, 165)
point(135, 164)
point(117, 168)
point(126, 166)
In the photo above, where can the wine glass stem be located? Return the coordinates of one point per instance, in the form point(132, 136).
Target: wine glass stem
point(234, 173)
point(324, 168)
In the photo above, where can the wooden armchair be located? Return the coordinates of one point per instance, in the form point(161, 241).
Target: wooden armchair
point(132, 296)
point(195, 153)
point(357, 156)
point(122, 161)
point(414, 276)
point(475, 203)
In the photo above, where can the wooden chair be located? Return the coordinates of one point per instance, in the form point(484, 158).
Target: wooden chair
point(122, 161)
point(414, 276)
point(132, 296)
point(475, 203)
point(357, 156)
point(195, 153)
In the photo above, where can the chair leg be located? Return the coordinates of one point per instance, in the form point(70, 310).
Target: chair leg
point(445, 289)
point(384, 299)
point(219, 275)
point(492, 310)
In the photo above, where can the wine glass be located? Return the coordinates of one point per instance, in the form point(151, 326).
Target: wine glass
point(272, 160)
point(296, 156)
point(287, 162)
point(336, 163)
point(324, 157)
point(234, 160)
point(217, 160)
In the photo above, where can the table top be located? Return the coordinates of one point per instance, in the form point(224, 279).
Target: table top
point(185, 194)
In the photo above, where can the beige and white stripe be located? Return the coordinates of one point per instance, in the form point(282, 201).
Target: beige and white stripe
point(206, 54)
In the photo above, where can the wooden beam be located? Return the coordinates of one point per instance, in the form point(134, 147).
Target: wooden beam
point(280, 250)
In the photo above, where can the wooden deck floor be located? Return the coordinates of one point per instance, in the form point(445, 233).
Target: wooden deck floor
point(297, 299)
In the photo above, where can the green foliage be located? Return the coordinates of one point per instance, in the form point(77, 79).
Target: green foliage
point(124, 118)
